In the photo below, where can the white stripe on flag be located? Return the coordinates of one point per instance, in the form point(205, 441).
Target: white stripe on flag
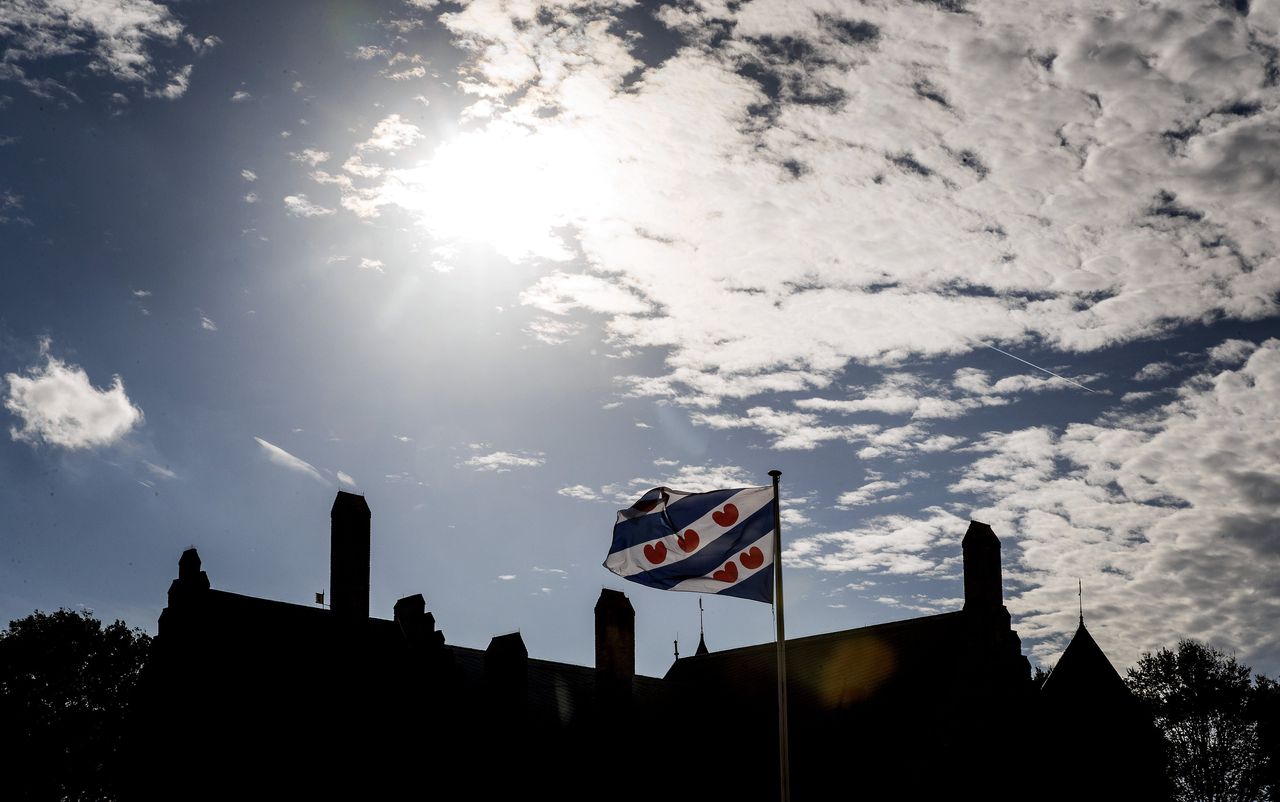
point(709, 584)
point(632, 561)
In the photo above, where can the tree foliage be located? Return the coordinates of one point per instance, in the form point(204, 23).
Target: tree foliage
point(66, 687)
point(1213, 719)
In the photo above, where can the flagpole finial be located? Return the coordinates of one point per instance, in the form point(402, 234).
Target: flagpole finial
point(775, 473)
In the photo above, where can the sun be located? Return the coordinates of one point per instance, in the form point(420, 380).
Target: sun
point(510, 186)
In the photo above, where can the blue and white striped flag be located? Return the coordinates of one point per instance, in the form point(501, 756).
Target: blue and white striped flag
point(717, 542)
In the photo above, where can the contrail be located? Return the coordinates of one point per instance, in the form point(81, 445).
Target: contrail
point(1037, 367)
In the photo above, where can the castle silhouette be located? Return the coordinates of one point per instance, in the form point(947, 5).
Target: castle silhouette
point(253, 698)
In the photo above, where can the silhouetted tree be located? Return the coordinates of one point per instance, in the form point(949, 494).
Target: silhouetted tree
point(1206, 705)
point(66, 686)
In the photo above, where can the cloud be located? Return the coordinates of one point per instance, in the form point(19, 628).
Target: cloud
point(301, 206)
point(207, 324)
point(871, 493)
point(551, 331)
point(503, 461)
point(111, 37)
point(346, 479)
point(1078, 201)
point(177, 86)
point(248, 175)
point(283, 458)
point(58, 405)
point(240, 96)
point(506, 577)
point(689, 478)
point(580, 492)
point(159, 470)
point(1154, 371)
point(251, 197)
point(1168, 516)
point(371, 264)
point(310, 156)
point(142, 293)
point(890, 544)
point(1231, 352)
point(391, 134)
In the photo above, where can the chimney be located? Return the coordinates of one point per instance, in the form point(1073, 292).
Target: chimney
point(982, 583)
point(349, 557)
point(615, 650)
point(506, 675)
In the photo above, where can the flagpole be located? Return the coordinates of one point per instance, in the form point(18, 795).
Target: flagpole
point(784, 757)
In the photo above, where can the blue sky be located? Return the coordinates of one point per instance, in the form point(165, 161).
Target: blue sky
point(504, 266)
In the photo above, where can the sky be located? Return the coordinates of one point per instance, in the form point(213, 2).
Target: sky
point(504, 266)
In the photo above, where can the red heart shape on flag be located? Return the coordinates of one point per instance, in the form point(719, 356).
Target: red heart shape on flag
point(688, 541)
point(752, 558)
point(656, 552)
point(727, 574)
point(727, 517)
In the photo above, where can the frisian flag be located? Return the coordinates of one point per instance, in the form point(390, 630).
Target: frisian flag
point(717, 542)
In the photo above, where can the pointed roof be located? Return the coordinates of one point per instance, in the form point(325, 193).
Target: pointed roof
point(1084, 672)
point(702, 645)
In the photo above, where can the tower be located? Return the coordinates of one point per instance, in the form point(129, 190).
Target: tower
point(349, 557)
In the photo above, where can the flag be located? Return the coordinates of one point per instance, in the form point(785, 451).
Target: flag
point(718, 542)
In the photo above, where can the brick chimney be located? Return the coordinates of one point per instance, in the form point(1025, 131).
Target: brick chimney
point(349, 557)
point(615, 650)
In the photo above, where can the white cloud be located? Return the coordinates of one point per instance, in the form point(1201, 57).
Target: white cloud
point(310, 156)
point(1231, 352)
point(371, 264)
point(1154, 371)
point(58, 405)
point(159, 470)
point(284, 459)
point(301, 206)
point(552, 331)
point(177, 86)
point(1081, 202)
point(580, 492)
point(240, 96)
point(346, 479)
point(503, 461)
point(248, 175)
point(251, 197)
point(891, 544)
point(142, 293)
point(1168, 515)
point(392, 134)
point(506, 577)
point(116, 37)
point(207, 324)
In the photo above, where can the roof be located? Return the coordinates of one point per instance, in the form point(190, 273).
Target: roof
point(1084, 672)
point(837, 669)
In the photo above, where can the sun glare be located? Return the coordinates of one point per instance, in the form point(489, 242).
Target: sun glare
point(508, 187)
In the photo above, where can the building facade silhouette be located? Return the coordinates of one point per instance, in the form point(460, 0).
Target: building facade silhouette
point(249, 697)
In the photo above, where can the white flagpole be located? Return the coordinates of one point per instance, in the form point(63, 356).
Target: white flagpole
point(784, 757)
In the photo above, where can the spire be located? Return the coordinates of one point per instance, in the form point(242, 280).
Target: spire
point(702, 641)
point(1080, 597)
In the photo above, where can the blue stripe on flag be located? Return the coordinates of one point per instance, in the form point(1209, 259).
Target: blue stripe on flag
point(719, 551)
point(757, 587)
point(679, 514)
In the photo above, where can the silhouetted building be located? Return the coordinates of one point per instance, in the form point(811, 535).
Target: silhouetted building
point(258, 698)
